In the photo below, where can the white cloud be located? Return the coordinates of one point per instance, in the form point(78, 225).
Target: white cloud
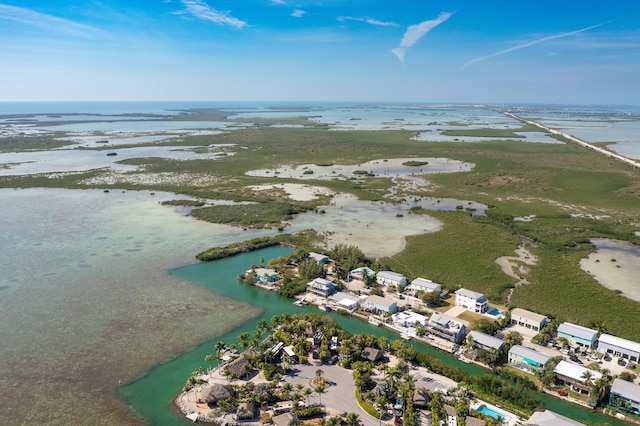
point(531, 43)
point(279, 2)
point(202, 10)
point(298, 13)
point(46, 22)
point(368, 21)
point(416, 32)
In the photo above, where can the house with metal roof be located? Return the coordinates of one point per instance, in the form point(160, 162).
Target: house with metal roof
point(625, 395)
point(578, 335)
point(321, 287)
point(551, 418)
point(619, 347)
point(485, 341)
point(578, 377)
point(379, 304)
point(423, 284)
point(362, 272)
point(446, 328)
point(528, 319)
point(472, 300)
point(527, 359)
point(385, 278)
point(319, 258)
point(266, 275)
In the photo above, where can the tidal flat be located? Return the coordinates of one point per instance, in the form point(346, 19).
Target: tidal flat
point(86, 298)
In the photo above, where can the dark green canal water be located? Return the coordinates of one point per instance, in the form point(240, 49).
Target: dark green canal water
point(151, 395)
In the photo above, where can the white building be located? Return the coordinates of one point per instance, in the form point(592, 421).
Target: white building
point(485, 341)
point(550, 418)
point(446, 328)
point(408, 319)
point(472, 301)
point(528, 319)
point(385, 278)
point(619, 347)
point(578, 377)
point(422, 284)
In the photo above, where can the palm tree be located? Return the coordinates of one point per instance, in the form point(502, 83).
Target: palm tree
point(243, 340)
point(320, 389)
point(218, 348)
point(307, 393)
point(352, 419)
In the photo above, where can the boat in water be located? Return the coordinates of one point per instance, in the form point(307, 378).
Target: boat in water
point(374, 321)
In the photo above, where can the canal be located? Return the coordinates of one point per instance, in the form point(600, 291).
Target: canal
point(151, 395)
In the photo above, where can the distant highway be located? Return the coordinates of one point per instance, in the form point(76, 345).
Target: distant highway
point(576, 140)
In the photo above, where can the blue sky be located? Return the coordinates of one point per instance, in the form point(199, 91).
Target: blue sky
point(493, 51)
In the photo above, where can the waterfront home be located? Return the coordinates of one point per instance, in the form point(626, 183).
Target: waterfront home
point(321, 287)
point(625, 395)
point(619, 347)
point(472, 300)
point(408, 319)
point(578, 335)
point(319, 258)
point(289, 354)
point(485, 341)
point(372, 354)
point(422, 284)
point(386, 278)
point(348, 301)
point(266, 275)
point(550, 418)
point(528, 319)
point(446, 328)
point(527, 359)
point(239, 367)
point(578, 377)
point(377, 304)
point(216, 392)
point(430, 384)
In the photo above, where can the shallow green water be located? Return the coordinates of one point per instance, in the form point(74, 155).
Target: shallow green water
point(151, 395)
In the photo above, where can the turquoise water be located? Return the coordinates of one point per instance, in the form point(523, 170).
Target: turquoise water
point(151, 396)
point(490, 412)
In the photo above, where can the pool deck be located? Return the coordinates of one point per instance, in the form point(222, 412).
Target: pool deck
point(511, 419)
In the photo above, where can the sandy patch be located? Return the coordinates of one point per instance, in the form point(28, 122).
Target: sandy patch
point(516, 266)
point(616, 265)
point(295, 191)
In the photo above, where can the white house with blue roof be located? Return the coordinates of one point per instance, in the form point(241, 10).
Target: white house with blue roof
point(321, 287)
point(578, 335)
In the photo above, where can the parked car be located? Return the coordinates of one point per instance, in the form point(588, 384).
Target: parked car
point(575, 359)
point(398, 404)
point(622, 362)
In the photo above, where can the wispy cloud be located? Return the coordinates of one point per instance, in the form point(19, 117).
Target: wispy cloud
point(532, 43)
point(298, 13)
point(368, 21)
point(203, 11)
point(278, 2)
point(416, 32)
point(47, 22)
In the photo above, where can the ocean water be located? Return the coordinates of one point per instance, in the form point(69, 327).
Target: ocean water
point(86, 299)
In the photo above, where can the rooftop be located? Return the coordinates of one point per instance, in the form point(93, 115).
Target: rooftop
point(550, 418)
point(446, 322)
point(577, 331)
point(486, 340)
point(628, 390)
point(391, 275)
point(619, 342)
point(470, 293)
point(529, 354)
point(575, 372)
point(528, 315)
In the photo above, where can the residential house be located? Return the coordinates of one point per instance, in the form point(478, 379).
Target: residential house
point(550, 418)
point(285, 419)
point(266, 275)
point(446, 328)
point(348, 301)
point(451, 418)
point(625, 395)
point(246, 411)
point(372, 354)
point(472, 301)
point(528, 319)
point(578, 377)
point(361, 272)
point(619, 347)
point(379, 304)
point(485, 341)
point(527, 359)
point(472, 421)
point(321, 287)
point(408, 319)
point(578, 335)
point(319, 258)
point(239, 367)
point(386, 278)
point(422, 284)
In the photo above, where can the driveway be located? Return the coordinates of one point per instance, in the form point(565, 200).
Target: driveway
point(339, 396)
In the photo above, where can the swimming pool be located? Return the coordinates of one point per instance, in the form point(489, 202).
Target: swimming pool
point(491, 412)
